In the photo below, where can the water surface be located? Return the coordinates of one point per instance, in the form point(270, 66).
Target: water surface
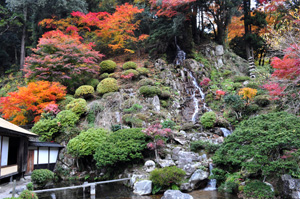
point(119, 191)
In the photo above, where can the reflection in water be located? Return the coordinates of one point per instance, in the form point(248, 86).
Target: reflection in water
point(119, 191)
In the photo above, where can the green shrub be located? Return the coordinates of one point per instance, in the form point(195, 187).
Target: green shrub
point(78, 106)
point(262, 140)
point(262, 100)
point(134, 108)
point(168, 124)
point(93, 82)
point(251, 108)
point(129, 65)
point(231, 184)
point(115, 127)
point(84, 91)
point(167, 176)
point(41, 177)
point(134, 72)
point(143, 71)
point(208, 146)
point(47, 129)
point(164, 103)
point(237, 85)
point(253, 85)
point(29, 186)
point(107, 85)
point(107, 66)
point(131, 120)
point(257, 189)
point(145, 82)
point(27, 194)
point(87, 142)
point(165, 95)
point(208, 119)
point(226, 73)
point(241, 78)
point(218, 174)
point(125, 145)
point(103, 76)
point(67, 118)
point(234, 101)
point(149, 91)
point(62, 104)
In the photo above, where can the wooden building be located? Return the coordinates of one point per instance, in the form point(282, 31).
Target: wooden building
point(13, 149)
point(19, 155)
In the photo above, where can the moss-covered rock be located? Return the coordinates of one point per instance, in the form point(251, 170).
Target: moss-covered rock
point(107, 85)
point(145, 82)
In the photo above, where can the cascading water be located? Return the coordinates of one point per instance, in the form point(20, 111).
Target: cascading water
point(212, 182)
point(194, 93)
point(226, 132)
point(180, 54)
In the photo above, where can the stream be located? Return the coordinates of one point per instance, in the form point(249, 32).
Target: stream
point(119, 191)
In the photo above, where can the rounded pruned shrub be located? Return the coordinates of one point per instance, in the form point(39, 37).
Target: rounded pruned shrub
point(145, 82)
point(67, 118)
point(241, 78)
point(93, 82)
point(208, 119)
point(262, 100)
point(84, 91)
point(87, 142)
point(103, 76)
point(143, 71)
point(47, 129)
point(125, 145)
point(62, 104)
point(107, 66)
point(78, 106)
point(41, 177)
point(165, 95)
point(134, 72)
point(149, 91)
point(27, 194)
point(107, 85)
point(167, 176)
point(129, 65)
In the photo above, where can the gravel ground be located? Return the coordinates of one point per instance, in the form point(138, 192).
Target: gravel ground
point(7, 187)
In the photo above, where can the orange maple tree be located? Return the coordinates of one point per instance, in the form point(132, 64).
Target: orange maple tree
point(116, 30)
point(27, 104)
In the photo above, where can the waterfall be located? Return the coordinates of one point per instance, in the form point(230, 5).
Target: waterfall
point(53, 196)
point(212, 182)
point(194, 94)
point(226, 132)
point(180, 54)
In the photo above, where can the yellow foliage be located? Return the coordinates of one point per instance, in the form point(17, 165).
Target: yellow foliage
point(248, 93)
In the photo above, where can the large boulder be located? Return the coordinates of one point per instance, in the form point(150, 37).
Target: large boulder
point(143, 187)
point(134, 178)
point(176, 194)
point(166, 163)
point(289, 187)
point(199, 178)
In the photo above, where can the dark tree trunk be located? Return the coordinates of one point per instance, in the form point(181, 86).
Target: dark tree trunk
point(22, 55)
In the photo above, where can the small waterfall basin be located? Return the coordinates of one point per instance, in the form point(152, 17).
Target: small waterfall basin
point(120, 191)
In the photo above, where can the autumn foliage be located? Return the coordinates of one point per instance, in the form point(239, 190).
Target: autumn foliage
point(62, 58)
point(169, 8)
point(115, 31)
point(248, 93)
point(27, 104)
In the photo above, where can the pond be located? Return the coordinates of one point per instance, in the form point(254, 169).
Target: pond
point(119, 191)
